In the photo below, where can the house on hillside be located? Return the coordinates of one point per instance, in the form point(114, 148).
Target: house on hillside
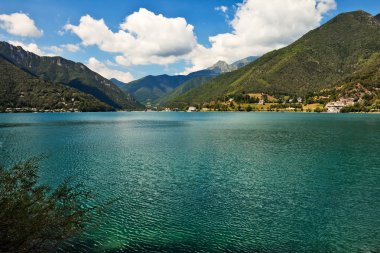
point(334, 107)
point(192, 109)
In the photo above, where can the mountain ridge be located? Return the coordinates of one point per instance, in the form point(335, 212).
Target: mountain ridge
point(316, 61)
point(72, 74)
point(158, 88)
point(19, 90)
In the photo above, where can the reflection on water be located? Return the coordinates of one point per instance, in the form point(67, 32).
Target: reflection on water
point(217, 182)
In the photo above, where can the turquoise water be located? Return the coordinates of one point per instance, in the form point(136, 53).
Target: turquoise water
point(213, 182)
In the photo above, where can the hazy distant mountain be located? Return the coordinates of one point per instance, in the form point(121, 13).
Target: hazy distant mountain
point(69, 73)
point(118, 83)
point(239, 64)
point(222, 67)
point(321, 59)
point(159, 88)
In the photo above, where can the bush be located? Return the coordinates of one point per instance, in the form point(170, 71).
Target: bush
point(33, 217)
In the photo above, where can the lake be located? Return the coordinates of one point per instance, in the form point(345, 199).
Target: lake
point(213, 182)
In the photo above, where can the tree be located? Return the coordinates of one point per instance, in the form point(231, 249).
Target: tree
point(34, 217)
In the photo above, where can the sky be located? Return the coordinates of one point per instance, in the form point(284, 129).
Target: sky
point(129, 39)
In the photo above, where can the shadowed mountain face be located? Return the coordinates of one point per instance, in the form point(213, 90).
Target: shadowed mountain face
point(151, 88)
point(319, 60)
point(69, 73)
point(190, 84)
point(19, 89)
point(378, 17)
point(160, 88)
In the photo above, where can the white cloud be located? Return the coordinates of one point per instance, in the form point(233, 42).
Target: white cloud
point(73, 48)
point(143, 38)
point(259, 27)
point(110, 63)
point(61, 49)
point(19, 24)
point(55, 50)
point(46, 51)
point(107, 72)
point(31, 47)
point(222, 8)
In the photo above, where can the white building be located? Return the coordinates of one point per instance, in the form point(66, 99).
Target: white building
point(192, 109)
point(334, 107)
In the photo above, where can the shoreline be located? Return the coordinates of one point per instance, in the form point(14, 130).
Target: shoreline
point(76, 112)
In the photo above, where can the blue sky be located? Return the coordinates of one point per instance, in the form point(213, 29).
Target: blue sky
point(178, 41)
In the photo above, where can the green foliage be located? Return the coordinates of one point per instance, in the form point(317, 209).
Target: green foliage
point(33, 217)
point(151, 88)
point(319, 60)
point(19, 89)
point(75, 75)
point(242, 98)
point(164, 89)
point(183, 88)
point(355, 108)
point(319, 109)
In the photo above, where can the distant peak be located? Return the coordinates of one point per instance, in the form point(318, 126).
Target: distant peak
point(220, 62)
point(359, 16)
point(220, 66)
point(243, 62)
point(358, 13)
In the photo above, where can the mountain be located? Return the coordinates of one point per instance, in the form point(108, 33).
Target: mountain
point(319, 60)
point(183, 88)
point(159, 88)
point(222, 67)
point(239, 64)
point(378, 17)
point(151, 88)
point(69, 73)
point(19, 89)
point(118, 83)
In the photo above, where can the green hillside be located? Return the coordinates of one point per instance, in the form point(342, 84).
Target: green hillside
point(159, 89)
point(318, 60)
point(151, 88)
point(183, 88)
point(76, 75)
point(363, 85)
point(19, 89)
